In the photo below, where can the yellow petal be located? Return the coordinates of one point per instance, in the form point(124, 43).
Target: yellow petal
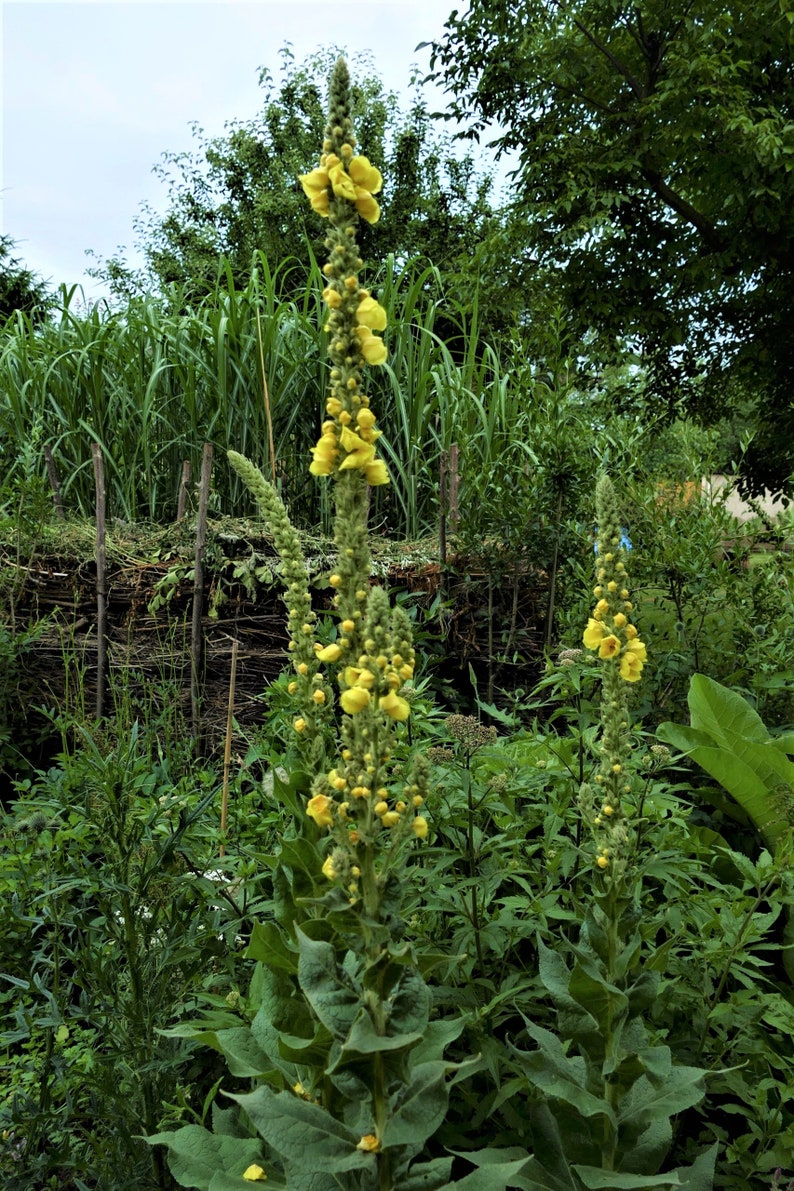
point(593, 634)
point(342, 183)
point(328, 869)
point(609, 647)
point(419, 826)
point(319, 809)
point(370, 313)
point(372, 349)
point(354, 700)
point(395, 707)
point(366, 175)
point(367, 206)
point(637, 647)
point(331, 653)
point(376, 473)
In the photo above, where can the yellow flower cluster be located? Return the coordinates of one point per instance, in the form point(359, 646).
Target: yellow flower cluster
point(609, 632)
point(343, 177)
point(347, 441)
point(345, 447)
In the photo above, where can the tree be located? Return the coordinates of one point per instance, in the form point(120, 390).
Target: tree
point(240, 192)
point(654, 148)
point(20, 289)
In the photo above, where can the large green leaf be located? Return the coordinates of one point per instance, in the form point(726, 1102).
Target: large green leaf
point(728, 739)
point(556, 1074)
point(329, 991)
point(195, 1154)
point(723, 713)
point(306, 1136)
point(420, 1107)
point(269, 945)
point(611, 1180)
point(648, 1100)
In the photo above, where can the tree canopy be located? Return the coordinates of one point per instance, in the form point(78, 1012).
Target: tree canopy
point(239, 192)
point(20, 288)
point(654, 148)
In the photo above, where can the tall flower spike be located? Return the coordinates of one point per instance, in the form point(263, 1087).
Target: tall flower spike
point(615, 639)
point(342, 189)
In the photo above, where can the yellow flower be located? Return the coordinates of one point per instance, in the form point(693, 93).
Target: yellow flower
point(373, 349)
point(619, 620)
point(366, 419)
point(376, 473)
point(315, 187)
point(367, 206)
point(299, 724)
point(631, 632)
point(365, 175)
point(637, 647)
point(371, 314)
point(395, 707)
point(254, 1174)
point(354, 700)
point(331, 653)
point(594, 634)
point(419, 826)
point(324, 455)
point(341, 182)
point(319, 809)
point(319, 697)
point(602, 862)
point(332, 297)
point(359, 453)
point(602, 606)
point(390, 819)
point(328, 869)
point(609, 647)
point(369, 1144)
point(630, 667)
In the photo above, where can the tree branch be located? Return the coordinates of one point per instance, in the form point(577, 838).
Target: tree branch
point(685, 209)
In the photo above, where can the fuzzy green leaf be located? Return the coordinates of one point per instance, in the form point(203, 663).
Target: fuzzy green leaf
point(307, 1137)
point(269, 945)
point(606, 1003)
point(329, 993)
point(195, 1154)
point(427, 1176)
point(594, 1177)
point(420, 1107)
point(681, 1088)
point(551, 1070)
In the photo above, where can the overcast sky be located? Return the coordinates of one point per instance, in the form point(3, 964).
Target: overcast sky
point(94, 92)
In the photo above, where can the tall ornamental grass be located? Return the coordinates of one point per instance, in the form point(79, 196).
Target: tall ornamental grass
point(153, 381)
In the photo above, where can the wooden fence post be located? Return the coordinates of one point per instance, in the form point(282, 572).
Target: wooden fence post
point(101, 588)
point(196, 637)
point(181, 500)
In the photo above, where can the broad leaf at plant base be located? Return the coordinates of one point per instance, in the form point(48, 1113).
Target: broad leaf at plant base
point(730, 741)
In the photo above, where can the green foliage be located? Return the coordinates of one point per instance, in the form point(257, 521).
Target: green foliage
point(20, 290)
point(730, 741)
point(109, 910)
point(653, 169)
point(238, 194)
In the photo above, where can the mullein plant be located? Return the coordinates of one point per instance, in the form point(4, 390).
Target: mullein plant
point(603, 1091)
point(349, 1079)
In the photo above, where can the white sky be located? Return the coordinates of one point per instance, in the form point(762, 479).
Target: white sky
point(94, 92)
